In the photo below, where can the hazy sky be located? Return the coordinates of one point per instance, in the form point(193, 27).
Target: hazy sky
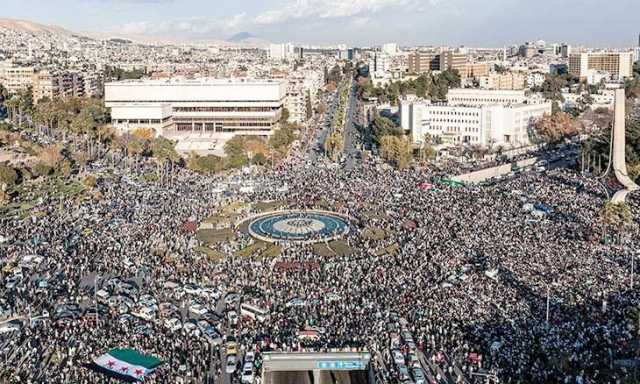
point(596, 23)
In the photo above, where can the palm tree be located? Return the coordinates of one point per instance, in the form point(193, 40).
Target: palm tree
point(12, 106)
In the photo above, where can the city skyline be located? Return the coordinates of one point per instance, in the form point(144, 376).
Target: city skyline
point(324, 22)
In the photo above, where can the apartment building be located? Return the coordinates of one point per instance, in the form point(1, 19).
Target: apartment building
point(423, 61)
point(14, 77)
point(503, 81)
point(618, 64)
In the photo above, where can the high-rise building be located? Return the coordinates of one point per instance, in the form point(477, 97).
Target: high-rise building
point(281, 51)
point(423, 61)
point(390, 48)
point(618, 64)
point(565, 50)
point(450, 60)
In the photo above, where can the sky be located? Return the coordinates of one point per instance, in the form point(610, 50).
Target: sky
point(472, 23)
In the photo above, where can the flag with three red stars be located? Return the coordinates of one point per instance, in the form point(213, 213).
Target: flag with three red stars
point(126, 364)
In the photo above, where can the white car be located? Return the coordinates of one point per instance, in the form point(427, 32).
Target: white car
point(249, 357)
point(9, 327)
point(198, 309)
point(173, 324)
point(231, 364)
point(247, 373)
point(398, 357)
point(192, 289)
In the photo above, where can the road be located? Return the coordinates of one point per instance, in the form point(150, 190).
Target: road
point(351, 133)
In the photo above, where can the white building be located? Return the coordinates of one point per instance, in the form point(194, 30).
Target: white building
point(281, 51)
point(484, 125)
point(479, 97)
point(207, 111)
point(390, 48)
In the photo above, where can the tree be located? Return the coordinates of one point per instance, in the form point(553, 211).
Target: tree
point(616, 216)
point(8, 175)
point(282, 137)
point(164, 151)
point(396, 150)
point(554, 128)
point(598, 145)
point(284, 116)
point(51, 156)
point(382, 126)
point(236, 152)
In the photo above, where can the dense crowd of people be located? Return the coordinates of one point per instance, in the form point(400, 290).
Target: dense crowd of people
point(472, 273)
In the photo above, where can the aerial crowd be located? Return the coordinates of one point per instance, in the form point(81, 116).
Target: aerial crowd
point(482, 284)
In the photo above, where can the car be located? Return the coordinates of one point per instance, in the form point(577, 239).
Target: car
point(231, 364)
point(403, 373)
point(296, 302)
point(398, 357)
point(143, 329)
point(198, 309)
point(11, 282)
point(418, 376)
point(192, 289)
point(232, 316)
point(191, 327)
point(173, 324)
point(212, 317)
point(247, 374)
point(167, 309)
point(232, 348)
point(249, 357)
point(10, 326)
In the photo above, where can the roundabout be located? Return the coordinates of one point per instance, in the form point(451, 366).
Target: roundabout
point(298, 226)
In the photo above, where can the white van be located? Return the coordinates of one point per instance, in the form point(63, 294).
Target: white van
point(253, 312)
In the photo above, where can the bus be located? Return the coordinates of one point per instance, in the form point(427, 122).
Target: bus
point(253, 312)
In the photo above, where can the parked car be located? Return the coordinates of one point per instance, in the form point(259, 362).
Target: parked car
point(247, 374)
point(231, 364)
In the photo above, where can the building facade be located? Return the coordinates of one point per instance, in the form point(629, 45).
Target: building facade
point(479, 97)
point(217, 109)
point(423, 61)
point(504, 81)
point(618, 64)
point(485, 125)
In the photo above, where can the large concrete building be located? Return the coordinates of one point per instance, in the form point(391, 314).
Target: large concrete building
point(486, 125)
point(213, 110)
point(423, 61)
point(479, 97)
point(503, 81)
point(618, 64)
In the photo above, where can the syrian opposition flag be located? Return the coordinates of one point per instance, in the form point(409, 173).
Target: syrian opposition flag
point(126, 364)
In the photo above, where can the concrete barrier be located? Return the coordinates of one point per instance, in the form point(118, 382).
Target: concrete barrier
point(483, 174)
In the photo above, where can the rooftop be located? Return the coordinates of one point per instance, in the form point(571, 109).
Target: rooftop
point(196, 82)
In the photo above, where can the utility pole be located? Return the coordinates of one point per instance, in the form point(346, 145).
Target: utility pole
point(548, 296)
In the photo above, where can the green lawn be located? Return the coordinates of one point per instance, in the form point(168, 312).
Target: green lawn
point(211, 254)
point(389, 250)
point(341, 248)
point(322, 250)
point(252, 250)
point(372, 233)
point(271, 252)
point(214, 236)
